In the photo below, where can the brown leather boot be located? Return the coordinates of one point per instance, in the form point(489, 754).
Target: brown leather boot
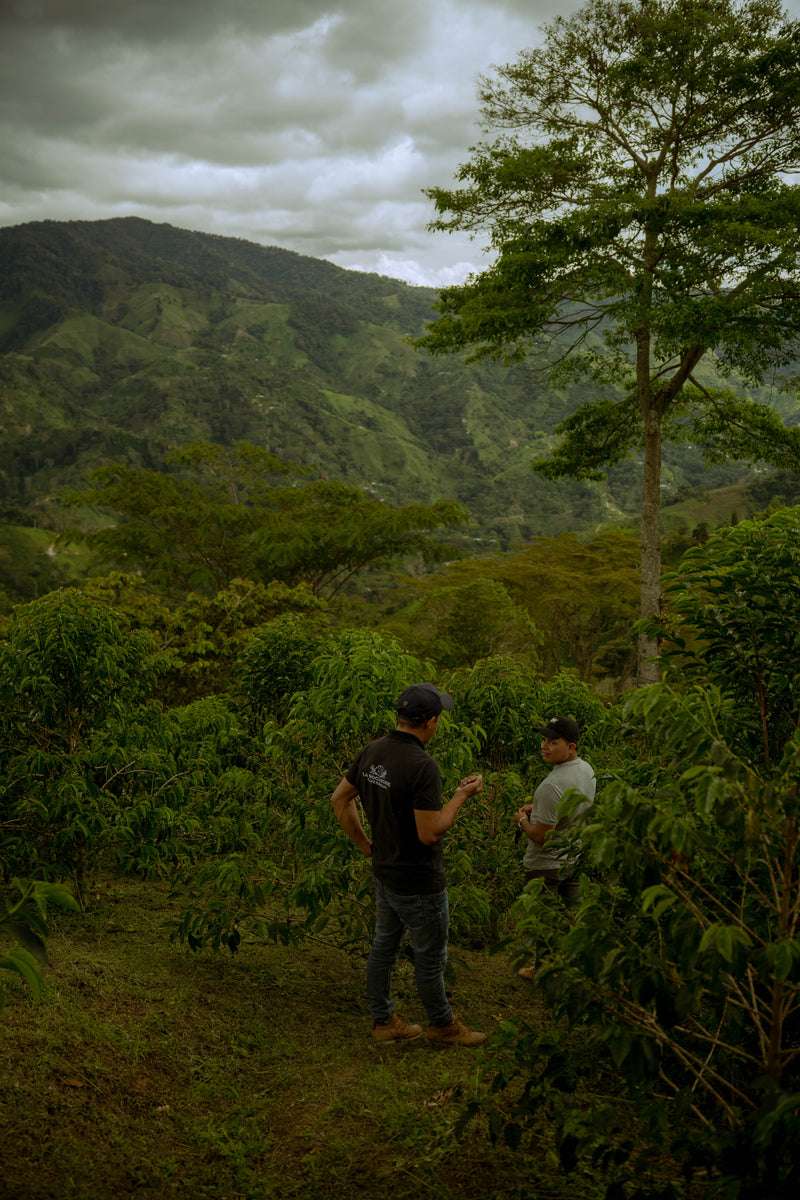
point(456, 1033)
point(395, 1030)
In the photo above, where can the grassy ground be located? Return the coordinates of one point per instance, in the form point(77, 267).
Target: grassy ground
point(716, 508)
point(150, 1072)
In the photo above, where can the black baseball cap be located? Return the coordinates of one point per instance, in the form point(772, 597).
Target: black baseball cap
point(421, 701)
point(561, 727)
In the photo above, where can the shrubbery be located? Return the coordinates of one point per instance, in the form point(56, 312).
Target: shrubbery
point(678, 977)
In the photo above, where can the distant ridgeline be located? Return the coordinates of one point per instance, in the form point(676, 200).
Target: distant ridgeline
point(121, 340)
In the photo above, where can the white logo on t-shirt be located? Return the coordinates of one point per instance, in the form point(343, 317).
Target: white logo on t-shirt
point(377, 776)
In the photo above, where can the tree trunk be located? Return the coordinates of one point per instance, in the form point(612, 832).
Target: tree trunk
point(648, 671)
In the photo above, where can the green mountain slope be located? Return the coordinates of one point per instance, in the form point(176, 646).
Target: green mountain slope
point(120, 340)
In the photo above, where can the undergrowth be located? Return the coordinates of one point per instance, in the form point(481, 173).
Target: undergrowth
point(145, 1070)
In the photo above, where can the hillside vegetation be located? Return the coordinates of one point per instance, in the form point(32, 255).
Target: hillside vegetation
point(121, 340)
point(166, 780)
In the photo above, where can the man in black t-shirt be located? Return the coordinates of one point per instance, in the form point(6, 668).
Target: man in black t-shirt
point(400, 788)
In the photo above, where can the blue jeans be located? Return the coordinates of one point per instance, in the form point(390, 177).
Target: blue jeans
point(426, 918)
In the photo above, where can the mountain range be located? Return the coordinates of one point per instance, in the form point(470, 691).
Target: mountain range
point(122, 339)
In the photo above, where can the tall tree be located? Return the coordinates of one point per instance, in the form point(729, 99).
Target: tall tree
point(643, 220)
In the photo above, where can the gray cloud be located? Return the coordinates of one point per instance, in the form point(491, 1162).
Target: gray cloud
point(301, 123)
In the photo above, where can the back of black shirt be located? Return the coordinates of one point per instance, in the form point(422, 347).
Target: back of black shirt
point(394, 775)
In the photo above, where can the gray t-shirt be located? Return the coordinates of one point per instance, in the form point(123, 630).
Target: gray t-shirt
point(554, 856)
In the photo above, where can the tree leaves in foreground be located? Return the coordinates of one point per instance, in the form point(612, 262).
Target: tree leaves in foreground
point(638, 202)
point(24, 922)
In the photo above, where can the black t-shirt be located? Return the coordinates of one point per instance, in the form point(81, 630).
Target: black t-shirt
point(394, 775)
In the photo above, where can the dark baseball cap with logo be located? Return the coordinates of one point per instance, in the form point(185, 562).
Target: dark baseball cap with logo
point(561, 727)
point(422, 701)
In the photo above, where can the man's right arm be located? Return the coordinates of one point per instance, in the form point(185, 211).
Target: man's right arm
point(535, 831)
point(344, 805)
point(537, 821)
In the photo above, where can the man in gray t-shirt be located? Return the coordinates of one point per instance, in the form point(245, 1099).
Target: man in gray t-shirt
point(546, 856)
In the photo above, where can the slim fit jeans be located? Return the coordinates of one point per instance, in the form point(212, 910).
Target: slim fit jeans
point(426, 918)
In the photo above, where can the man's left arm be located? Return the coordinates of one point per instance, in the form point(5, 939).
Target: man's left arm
point(344, 805)
point(432, 824)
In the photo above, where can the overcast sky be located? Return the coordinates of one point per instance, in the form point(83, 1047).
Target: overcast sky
point(308, 124)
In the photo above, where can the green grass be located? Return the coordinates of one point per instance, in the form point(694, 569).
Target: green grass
point(715, 508)
point(147, 1071)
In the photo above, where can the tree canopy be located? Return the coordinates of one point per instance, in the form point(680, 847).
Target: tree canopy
point(639, 203)
point(225, 514)
point(580, 596)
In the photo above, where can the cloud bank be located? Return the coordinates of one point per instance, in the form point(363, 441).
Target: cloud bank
point(309, 124)
point(300, 123)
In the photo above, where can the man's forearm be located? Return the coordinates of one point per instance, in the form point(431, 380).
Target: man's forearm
point(445, 818)
point(433, 825)
point(351, 824)
point(535, 831)
point(344, 805)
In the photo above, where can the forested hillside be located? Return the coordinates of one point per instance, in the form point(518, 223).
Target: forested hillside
point(121, 340)
point(242, 512)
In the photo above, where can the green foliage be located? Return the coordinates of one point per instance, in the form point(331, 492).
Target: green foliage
point(93, 773)
point(326, 532)
point(26, 569)
point(456, 625)
point(348, 696)
point(636, 196)
point(356, 679)
point(24, 921)
point(729, 619)
point(345, 690)
point(682, 964)
point(581, 596)
point(498, 698)
point(190, 529)
point(225, 514)
point(501, 706)
point(67, 667)
point(196, 643)
point(276, 663)
point(205, 636)
point(774, 489)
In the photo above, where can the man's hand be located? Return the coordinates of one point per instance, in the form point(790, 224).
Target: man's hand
point(535, 831)
point(472, 784)
point(431, 825)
